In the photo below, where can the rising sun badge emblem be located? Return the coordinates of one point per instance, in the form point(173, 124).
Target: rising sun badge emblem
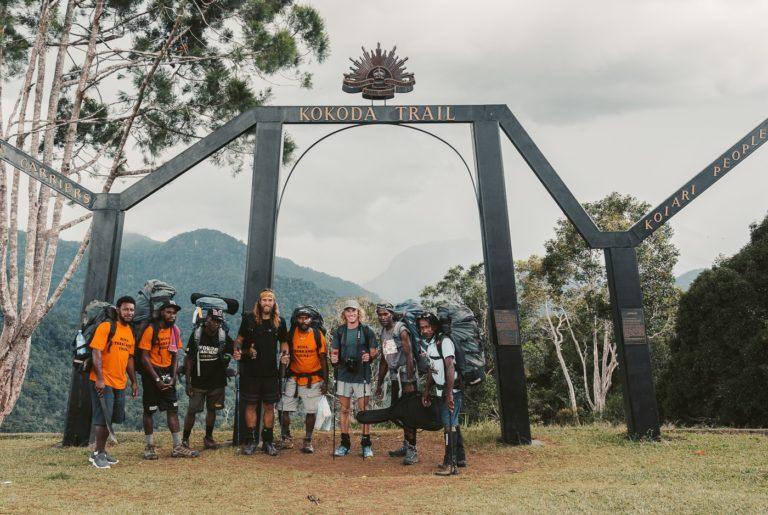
point(378, 75)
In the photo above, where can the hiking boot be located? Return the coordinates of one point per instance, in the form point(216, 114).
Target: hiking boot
point(401, 452)
point(269, 448)
point(450, 470)
point(411, 456)
point(210, 443)
point(111, 460)
point(150, 453)
point(182, 451)
point(286, 442)
point(308, 449)
point(341, 450)
point(249, 448)
point(367, 451)
point(461, 455)
point(99, 460)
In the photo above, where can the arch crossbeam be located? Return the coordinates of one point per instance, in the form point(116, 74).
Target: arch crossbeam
point(692, 189)
point(48, 176)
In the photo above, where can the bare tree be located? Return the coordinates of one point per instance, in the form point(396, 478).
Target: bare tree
point(102, 90)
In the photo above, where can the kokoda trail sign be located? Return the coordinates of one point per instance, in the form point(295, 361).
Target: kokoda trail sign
point(487, 123)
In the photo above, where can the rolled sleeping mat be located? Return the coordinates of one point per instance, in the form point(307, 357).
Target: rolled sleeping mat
point(408, 412)
point(232, 304)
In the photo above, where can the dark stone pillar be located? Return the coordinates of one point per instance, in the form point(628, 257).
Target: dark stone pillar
point(635, 371)
point(100, 281)
point(504, 320)
point(260, 260)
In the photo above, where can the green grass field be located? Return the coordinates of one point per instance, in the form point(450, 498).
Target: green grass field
point(579, 469)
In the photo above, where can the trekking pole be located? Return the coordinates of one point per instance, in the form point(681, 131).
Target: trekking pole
point(335, 396)
point(237, 408)
point(107, 417)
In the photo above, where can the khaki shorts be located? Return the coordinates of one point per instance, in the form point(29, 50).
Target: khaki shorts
point(353, 390)
point(310, 397)
point(210, 399)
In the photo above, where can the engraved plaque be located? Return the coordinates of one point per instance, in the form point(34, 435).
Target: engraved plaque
point(633, 326)
point(507, 330)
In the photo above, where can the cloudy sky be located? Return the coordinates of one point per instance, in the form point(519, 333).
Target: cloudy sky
point(629, 96)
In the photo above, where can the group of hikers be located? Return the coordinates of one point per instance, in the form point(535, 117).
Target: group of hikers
point(279, 368)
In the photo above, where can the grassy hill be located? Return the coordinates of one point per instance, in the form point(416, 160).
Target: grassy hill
point(578, 469)
point(199, 261)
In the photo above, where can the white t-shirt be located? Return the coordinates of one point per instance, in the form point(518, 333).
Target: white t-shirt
point(436, 364)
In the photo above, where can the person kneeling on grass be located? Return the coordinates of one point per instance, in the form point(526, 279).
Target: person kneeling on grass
point(205, 367)
point(305, 356)
point(441, 353)
point(112, 358)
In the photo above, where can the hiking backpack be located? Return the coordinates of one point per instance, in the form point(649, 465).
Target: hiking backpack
point(406, 312)
point(96, 312)
point(460, 325)
point(148, 302)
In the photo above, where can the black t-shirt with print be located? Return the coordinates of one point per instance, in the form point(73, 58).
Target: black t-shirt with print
point(212, 365)
point(266, 338)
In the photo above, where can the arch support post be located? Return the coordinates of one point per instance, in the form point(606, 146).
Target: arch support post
point(503, 316)
point(260, 258)
point(640, 408)
point(100, 282)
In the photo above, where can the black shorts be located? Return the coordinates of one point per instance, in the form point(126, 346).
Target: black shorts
point(259, 389)
point(154, 398)
point(212, 399)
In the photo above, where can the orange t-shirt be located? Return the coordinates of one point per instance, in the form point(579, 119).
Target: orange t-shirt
point(114, 361)
point(305, 358)
point(159, 355)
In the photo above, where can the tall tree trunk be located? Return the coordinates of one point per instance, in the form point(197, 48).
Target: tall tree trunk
point(557, 340)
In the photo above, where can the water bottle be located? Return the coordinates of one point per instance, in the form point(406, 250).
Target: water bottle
point(80, 347)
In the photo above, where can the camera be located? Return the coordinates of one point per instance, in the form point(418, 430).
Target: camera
point(351, 364)
point(165, 379)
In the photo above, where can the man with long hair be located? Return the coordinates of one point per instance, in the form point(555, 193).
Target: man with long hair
point(262, 335)
point(353, 349)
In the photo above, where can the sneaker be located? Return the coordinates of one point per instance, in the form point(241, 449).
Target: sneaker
point(308, 449)
point(249, 448)
point(150, 453)
point(341, 450)
point(210, 443)
point(269, 448)
point(411, 456)
point(182, 451)
point(111, 460)
point(286, 442)
point(399, 453)
point(367, 452)
point(99, 460)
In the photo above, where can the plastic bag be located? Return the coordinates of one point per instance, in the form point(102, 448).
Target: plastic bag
point(324, 415)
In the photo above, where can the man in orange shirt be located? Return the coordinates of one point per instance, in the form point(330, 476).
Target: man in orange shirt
point(305, 356)
point(160, 366)
point(112, 358)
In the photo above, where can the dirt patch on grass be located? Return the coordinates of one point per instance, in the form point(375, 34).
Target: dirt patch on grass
point(488, 460)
